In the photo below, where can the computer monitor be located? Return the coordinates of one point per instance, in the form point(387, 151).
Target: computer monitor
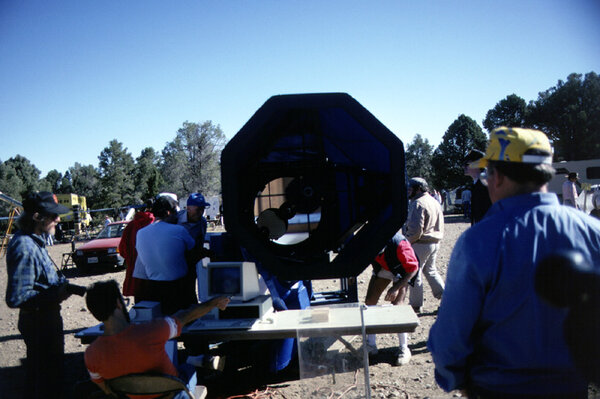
point(238, 280)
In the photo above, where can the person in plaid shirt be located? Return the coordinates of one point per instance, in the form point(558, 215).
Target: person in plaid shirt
point(36, 288)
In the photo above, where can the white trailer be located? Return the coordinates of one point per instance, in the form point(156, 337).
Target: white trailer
point(589, 179)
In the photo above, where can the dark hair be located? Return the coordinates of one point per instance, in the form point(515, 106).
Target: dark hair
point(163, 206)
point(418, 183)
point(523, 173)
point(148, 204)
point(101, 299)
point(25, 222)
point(473, 156)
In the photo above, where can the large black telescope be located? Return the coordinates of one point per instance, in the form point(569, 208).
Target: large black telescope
point(313, 186)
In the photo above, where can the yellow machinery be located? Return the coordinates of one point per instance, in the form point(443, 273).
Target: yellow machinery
point(79, 215)
point(15, 210)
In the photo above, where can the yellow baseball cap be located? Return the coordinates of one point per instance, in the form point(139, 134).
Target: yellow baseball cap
point(514, 144)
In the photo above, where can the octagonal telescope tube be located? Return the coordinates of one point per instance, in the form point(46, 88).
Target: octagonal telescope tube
point(313, 186)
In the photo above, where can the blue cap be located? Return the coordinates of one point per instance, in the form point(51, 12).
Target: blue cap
point(197, 199)
point(45, 203)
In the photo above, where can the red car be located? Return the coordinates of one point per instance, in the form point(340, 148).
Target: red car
point(103, 250)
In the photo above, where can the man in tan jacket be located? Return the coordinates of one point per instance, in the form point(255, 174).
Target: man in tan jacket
point(424, 229)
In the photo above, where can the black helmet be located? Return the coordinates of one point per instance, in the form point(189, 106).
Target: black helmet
point(418, 182)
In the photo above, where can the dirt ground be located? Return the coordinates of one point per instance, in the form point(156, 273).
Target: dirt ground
point(415, 380)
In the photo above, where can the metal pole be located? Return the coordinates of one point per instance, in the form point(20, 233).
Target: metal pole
point(365, 352)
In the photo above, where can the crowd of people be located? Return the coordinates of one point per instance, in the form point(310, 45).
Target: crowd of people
point(161, 247)
point(493, 337)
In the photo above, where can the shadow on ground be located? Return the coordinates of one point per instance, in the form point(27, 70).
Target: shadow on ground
point(12, 379)
point(74, 272)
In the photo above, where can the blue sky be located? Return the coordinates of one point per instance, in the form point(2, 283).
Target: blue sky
point(76, 74)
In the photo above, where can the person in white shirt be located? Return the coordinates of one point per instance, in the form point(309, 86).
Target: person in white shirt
point(161, 263)
point(569, 190)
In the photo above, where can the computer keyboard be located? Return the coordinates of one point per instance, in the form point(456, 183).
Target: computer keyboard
point(227, 324)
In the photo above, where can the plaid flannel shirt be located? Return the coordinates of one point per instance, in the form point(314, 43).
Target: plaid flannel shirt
point(33, 280)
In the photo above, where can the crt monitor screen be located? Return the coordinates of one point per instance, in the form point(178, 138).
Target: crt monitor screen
point(225, 281)
point(238, 280)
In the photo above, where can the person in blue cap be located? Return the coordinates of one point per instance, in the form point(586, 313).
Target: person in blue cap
point(192, 218)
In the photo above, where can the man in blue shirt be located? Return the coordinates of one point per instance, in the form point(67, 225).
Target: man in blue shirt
point(494, 337)
point(35, 287)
